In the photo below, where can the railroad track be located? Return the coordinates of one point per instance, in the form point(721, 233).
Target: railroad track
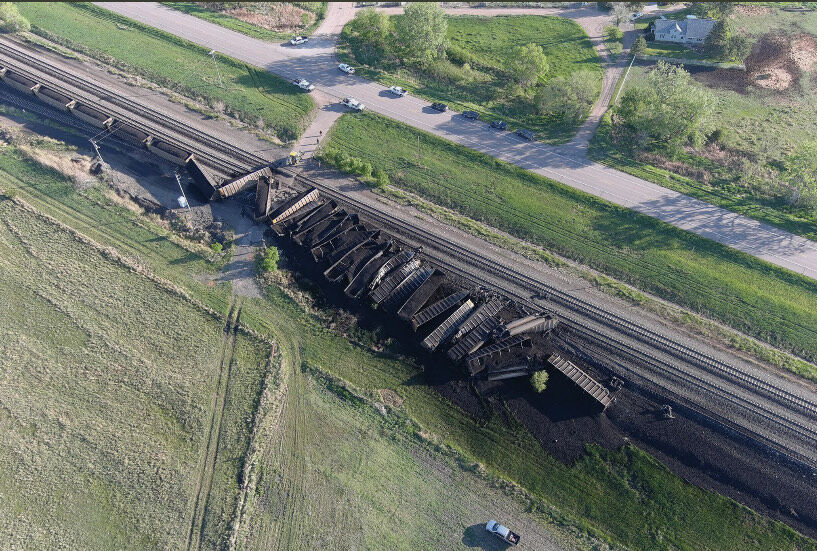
point(574, 312)
point(573, 305)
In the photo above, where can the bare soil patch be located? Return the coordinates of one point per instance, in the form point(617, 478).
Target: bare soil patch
point(804, 52)
point(772, 64)
point(274, 16)
point(390, 397)
point(751, 10)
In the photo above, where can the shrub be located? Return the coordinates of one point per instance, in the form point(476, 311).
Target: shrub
point(458, 56)
point(268, 260)
point(217, 247)
point(10, 193)
point(381, 179)
point(10, 19)
point(539, 381)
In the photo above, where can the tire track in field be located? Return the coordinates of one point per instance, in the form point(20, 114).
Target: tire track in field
point(205, 479)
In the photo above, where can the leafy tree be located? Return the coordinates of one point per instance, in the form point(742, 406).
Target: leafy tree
point(10, 19)
point(639, 47)
point(370, 29)
point(422, 32)
point(268, 261)
point(621, 12)
point(713, 10)
point(667, 110)
point(801, 175)
point(612, 34)
point(217, 247)
point(528, 64)
point(738, 47)
point(371, 26)
point(539, 381)
point(569, 97)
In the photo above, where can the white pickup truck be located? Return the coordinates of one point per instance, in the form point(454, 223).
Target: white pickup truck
point(502, 532)
point(303, 84)
point(352, 103)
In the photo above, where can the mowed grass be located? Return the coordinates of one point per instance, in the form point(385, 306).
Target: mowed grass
point(605, 494)
point(338, 470)
point(248, 93)
point(770, 303)
point(129, 370)
point(490, 43)
point(625, 496)
point(757, 124)
point(106, 382)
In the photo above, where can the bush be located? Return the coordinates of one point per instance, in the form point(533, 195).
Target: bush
point(217, 247)
point(10, 193)
point(10, 19)
point(458, 56)
point(381, 179)
point(268, 260)
point(539, 381)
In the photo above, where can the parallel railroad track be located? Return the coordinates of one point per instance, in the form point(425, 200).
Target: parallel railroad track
point(574, 311)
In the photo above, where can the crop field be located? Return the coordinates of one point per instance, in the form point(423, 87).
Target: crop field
point(752, 296)
point(487, 43)
point(107, 381)
point(249, 18)
point(248, 93)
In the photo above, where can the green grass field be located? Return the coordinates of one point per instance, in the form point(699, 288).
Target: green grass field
point(488, 42)
point(605, 493)
point(760, 126)
point(199, 10)
point(339, 474)
point(248, 93)
point(752, 296)
point(107, 382)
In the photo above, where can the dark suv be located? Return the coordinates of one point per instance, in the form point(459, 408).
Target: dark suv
point(439, 106)
point(526, 134)
point(473, 115)
point(499, 125)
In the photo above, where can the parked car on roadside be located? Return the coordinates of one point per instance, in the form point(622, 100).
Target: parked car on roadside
point(398, 91)
point(353, 103)
point(499, 125)
point(437, 106)
point(298, 40)
point(526, 134)
point(473, 115)
point(348, 69)
point(636, 15)
point(303, 84)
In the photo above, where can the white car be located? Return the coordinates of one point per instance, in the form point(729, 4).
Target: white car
point(298, 40)
point(502, 532)
point(352, 103)
point(635, 16)
point(304, 84)
point(398, 91)
point(346, 68)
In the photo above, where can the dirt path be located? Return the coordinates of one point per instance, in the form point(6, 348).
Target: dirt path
point(205, 480)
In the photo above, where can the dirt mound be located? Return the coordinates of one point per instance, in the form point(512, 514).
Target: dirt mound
point(751, 10)
point(771, 65)
point(804, 52)
point(390, 397)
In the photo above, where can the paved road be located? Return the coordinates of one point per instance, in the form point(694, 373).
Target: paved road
point(568, 164)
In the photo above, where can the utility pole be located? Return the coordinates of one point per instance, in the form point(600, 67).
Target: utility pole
point(98, 154)
point(179, 181)
point(213, 55)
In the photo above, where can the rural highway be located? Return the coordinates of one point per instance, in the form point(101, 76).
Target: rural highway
point(567, 164)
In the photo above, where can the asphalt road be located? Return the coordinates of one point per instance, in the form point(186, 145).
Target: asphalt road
point(567, 164)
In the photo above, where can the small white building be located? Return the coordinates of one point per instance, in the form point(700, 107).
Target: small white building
point(690, 31)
